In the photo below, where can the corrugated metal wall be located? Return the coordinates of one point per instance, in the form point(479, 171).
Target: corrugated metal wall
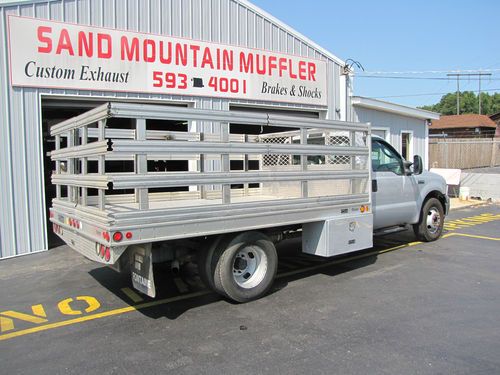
point(396, 123)
point(22, 225)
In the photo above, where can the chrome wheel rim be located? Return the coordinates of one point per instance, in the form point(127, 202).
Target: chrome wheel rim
point(249, 266)
point(433, 220)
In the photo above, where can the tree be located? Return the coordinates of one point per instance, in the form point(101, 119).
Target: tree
point(469, 103)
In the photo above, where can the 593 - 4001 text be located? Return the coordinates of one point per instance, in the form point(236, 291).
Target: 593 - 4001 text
point(180, 81)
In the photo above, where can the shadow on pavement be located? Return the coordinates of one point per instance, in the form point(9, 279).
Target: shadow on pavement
point(168, 287)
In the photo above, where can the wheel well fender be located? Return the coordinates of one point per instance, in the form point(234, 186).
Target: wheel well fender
point(434, 194)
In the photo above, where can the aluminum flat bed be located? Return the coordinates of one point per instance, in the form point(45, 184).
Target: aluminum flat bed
point(133, 174)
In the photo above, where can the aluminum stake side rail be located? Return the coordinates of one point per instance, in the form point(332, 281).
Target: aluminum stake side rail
point(122, 180)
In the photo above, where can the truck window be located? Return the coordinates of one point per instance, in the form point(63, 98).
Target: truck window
point(385, 159)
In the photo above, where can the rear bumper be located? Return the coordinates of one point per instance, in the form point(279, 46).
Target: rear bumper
point(85, 245)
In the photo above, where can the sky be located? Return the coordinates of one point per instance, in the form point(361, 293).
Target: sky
point(403, 36)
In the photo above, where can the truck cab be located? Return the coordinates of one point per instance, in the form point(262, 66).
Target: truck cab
point(401, 192)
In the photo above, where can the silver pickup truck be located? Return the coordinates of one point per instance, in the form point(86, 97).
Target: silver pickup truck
point(138, 185)
point(403, 194)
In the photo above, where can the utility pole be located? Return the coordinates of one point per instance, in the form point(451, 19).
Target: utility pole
point(458, 75)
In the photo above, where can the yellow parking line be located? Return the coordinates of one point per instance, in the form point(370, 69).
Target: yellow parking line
point(104, 314)
point(471, 236)
point(164, 301)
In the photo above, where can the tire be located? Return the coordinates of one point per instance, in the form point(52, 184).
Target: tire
point(206, 263)
point(245, 266)
point(430, 226)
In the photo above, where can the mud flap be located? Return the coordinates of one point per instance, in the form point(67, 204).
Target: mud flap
point(141, 269)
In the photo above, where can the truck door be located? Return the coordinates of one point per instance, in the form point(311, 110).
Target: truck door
point(394, 194)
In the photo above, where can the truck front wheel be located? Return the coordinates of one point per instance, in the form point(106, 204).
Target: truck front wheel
point(242, 267)
point(430, 225)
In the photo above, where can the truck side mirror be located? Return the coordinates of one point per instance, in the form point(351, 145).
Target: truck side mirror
point(417, 165)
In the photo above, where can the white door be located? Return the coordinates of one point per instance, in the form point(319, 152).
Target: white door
point(394, 193)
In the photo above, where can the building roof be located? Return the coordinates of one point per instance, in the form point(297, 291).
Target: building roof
point(244, 3)
point(399, 109)
point(463, 121)
point(495, 117)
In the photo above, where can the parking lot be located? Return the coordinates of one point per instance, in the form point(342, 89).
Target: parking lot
point(402, 307)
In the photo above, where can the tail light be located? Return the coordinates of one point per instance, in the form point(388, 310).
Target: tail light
point(107, 254)
point(117, 236)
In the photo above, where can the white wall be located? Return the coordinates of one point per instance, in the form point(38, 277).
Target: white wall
point(396, 124)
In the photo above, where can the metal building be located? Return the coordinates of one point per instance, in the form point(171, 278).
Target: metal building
point(406, 128)
point(54, 56)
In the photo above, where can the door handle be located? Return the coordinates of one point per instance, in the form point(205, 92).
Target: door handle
point(374, 186)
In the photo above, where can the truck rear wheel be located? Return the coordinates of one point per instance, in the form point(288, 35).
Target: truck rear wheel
point(430, 225)
point(242, 267)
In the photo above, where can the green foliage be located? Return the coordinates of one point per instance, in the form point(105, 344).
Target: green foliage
point(469, 103)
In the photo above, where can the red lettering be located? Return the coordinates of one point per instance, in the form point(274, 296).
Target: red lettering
point(149, 53)
point(246, 65)
point(168, 51)
point(64, 43)
point(129, 52)
point(85, 43)
point(44, 39)
point(195, 50)
point(290, 65)
point(261, 68)
point(302, 70)
point(312, 71)
point(207, 58)
point(282, 64)
point(101, 52)
point(227, 60)
point(181, 54)
point(272, 64)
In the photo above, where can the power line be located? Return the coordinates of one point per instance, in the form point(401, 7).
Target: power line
point(438, 71)
point(423, 78)
point(458, 75)
point(427, 94)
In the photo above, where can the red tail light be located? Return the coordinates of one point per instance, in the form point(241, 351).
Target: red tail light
point(107, 254)
point(117, 236)
point(128, 235)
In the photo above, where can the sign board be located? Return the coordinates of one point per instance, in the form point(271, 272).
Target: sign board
point(52, 54)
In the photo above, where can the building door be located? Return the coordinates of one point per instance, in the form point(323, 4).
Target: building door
point(407, 145)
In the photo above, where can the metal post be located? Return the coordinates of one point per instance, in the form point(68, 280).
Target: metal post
point(101, 127)
point(458, 75)
point(202, 169)
point(71, 165)
point(225, 163)
point(245, 168)
point(303, 162)
point(141, 164)
point(85, 133)
point(58, 166)
point(479, 111)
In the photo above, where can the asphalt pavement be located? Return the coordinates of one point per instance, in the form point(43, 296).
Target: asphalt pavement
point(402, 307)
